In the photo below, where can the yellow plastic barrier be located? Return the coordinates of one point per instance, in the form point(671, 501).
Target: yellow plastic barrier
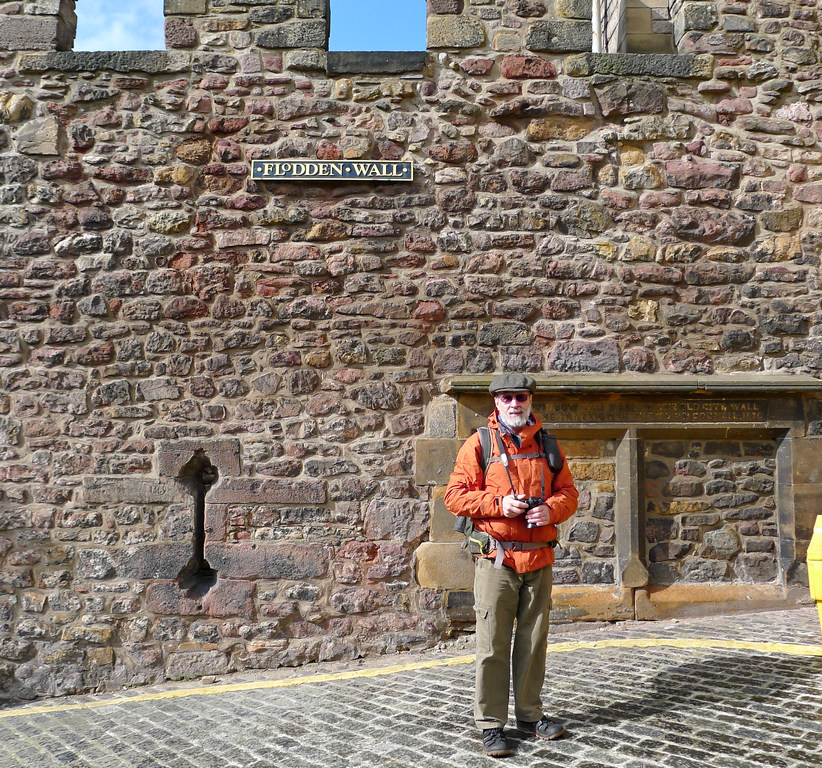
point(815, 565)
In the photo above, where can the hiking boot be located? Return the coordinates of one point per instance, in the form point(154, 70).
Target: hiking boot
point(542, 729)
point(494, 742)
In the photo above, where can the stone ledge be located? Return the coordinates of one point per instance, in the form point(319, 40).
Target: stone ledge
point(374, 62)
point(629, 383)
point(150, 62)
point(644, 64)
point(591, 602)
point(681, 600)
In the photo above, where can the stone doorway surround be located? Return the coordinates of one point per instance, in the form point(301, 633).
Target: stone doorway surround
point(625, 413)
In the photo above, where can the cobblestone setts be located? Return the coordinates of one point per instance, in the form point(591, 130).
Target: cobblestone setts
point(658, 707)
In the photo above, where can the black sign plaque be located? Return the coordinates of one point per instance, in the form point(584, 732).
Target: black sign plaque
point(331, 170)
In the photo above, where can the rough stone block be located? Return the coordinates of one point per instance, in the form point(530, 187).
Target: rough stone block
point(184, 7)
point(441, 417)
point(639, 64)
point(152, 561)
point(242, 490)
point(313, 9)
point(435, 459)
point(222, 453)
point(444, 566)
point(34, 33)
point(573, 9)
point(368, 62)
point(150, 62)
point(197, 663)
point(247, 560)
point(694, 16)
point(459, 605)
point(396, 519)
point(302, 34)
point(454, 32)
point(442, 521)
point(444, 6)
point(132, 490)
point(226, 598)
point(559, 36)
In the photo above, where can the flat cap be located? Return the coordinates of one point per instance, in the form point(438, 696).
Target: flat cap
point(512, 382)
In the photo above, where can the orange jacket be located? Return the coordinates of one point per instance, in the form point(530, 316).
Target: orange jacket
point(469, 494)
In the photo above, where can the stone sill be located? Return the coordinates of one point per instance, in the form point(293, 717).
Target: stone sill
point(150, 62)
point(645, 64)
point(636, 383)
point(375, 62)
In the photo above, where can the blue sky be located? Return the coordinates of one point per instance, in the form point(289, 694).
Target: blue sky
point(356, 25)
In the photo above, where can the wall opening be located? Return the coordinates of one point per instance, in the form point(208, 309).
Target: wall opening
point(106, 26)
point(632, 26)
point(198, 475)
point(376, 25)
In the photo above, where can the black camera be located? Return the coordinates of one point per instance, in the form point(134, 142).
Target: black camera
point(532, 501)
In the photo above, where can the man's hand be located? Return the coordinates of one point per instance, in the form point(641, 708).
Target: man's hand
point(539, 516)
point(513, 505)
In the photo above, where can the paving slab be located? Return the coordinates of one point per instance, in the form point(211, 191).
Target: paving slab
point(740, 691)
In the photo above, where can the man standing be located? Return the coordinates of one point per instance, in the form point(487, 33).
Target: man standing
point(515, 502)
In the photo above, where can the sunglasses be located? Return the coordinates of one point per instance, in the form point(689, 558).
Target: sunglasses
point(520, 397)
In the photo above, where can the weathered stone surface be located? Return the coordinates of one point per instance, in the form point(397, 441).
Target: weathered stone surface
point(98, 490)
point(39, 137)
point(600, 356)
point(227, 598)
point(396, 519)
point(444, 566)
point(646, 64)
point(264, 491)
point(298, 34)
point(189, 664)
point(626, 98)
point(247, 560)
point(690, 175)
point(559, 36)
point(150, 62)
point(526, 67)
point(454, 32)
point(712, 227)
point(152, 561)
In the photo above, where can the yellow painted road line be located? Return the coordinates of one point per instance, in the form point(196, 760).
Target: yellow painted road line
point(567, 647)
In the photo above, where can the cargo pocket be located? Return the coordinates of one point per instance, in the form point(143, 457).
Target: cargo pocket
point(484, 630)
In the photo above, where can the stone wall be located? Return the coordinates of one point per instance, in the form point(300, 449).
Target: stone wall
point(216, 394)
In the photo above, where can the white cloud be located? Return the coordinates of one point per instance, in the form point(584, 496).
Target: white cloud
point(119, 25)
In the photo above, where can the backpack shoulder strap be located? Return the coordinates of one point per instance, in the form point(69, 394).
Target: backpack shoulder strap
point(550, 447)
point(485, 444)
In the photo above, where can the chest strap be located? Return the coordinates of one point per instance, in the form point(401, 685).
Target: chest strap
point(519, 456)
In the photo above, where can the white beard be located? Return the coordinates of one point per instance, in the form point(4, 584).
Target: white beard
point(517, 422)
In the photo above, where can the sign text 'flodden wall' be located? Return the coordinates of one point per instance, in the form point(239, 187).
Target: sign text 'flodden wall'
point(331, 170)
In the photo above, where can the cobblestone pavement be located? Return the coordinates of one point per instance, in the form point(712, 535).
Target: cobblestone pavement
point(725, 692)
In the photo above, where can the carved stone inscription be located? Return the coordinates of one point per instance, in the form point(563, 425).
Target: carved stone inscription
point(651, 410)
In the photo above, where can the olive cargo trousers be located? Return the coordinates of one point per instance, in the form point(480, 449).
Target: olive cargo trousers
point(502, 596)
